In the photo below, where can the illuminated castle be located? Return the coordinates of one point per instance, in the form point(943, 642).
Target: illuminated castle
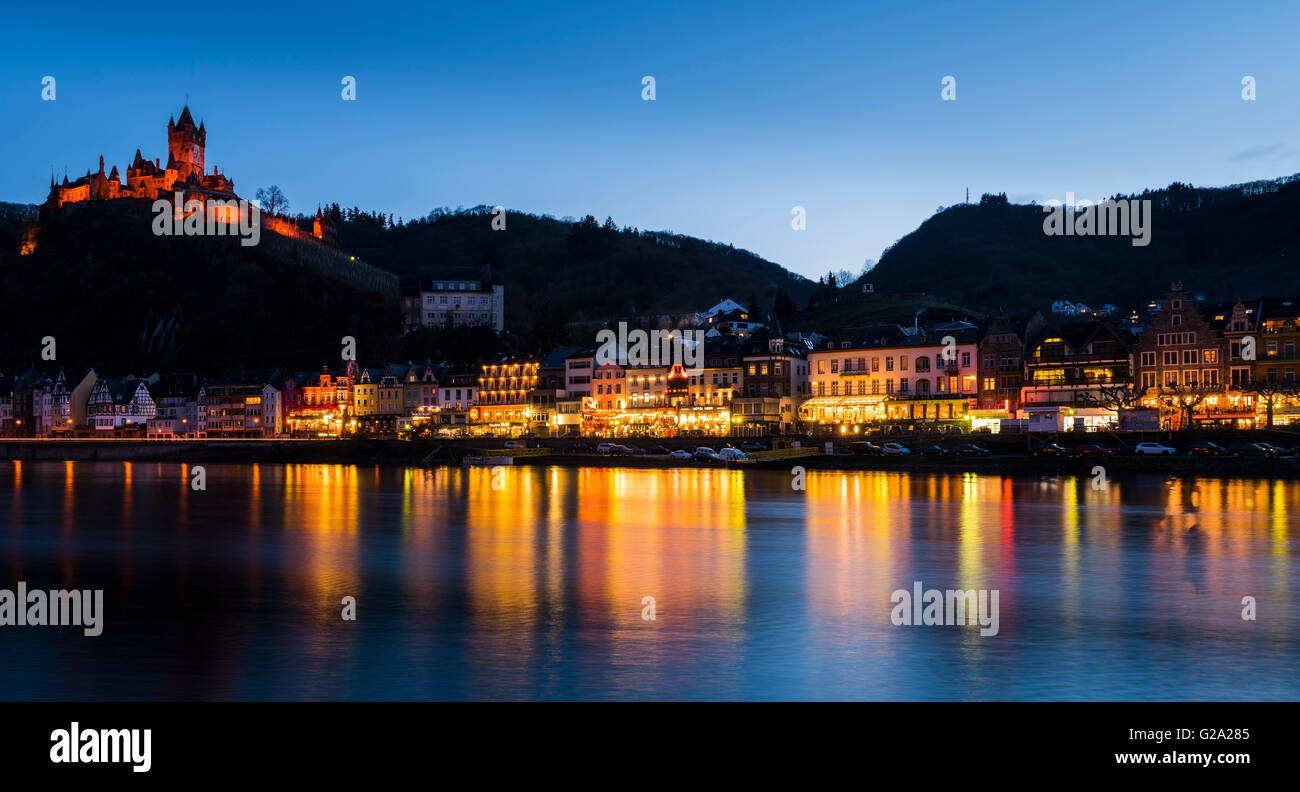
point(144, 179)
point(185, 173)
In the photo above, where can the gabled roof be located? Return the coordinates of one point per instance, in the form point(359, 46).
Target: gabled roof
point(1078, 334)
point(557, 356)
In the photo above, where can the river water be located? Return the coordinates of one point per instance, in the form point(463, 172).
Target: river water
point(532, 583)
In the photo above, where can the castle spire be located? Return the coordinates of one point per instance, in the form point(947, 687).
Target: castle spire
point(101, 164)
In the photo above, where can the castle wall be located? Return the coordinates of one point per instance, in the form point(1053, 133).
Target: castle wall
point(334, 264)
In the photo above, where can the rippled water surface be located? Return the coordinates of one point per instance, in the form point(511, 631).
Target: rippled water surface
point(535, 588)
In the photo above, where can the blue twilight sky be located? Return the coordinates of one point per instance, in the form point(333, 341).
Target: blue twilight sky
point(760, 106)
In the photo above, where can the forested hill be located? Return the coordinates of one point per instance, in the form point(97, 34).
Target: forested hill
point(1225, 243)
point(587, 269)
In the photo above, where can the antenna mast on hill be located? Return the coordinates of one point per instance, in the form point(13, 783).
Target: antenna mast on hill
point(967, 195)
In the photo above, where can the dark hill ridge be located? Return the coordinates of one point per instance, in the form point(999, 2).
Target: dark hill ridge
point(1224, 243)
point(588, 270)
point(119, 298)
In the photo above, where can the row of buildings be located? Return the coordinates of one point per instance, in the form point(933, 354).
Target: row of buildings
point(1189, 363)
point(243, 403)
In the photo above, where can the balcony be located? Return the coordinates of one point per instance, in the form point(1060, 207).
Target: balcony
point(1056, 382)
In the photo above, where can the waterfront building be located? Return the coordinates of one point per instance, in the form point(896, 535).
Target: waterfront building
point(176, 402)
point(1001, 363)
point(1276, 365)
point(775, 383)
point(120, 406)
point(503, 406)
point(319, 404)
point(888, 373)
point(234, 403)
point(1185, 362)
point(1079, 370)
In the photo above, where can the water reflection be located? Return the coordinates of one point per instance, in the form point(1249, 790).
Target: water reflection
point(531, 582)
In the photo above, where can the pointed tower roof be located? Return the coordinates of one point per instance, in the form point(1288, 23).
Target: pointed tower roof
point(186, 118)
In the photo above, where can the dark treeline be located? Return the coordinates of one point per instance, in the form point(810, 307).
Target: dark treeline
point(584, 269)
point(118, 298)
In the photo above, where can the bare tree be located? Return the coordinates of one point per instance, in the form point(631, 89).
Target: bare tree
point(1184, 399)
point(1269, 391)
point(1121, 396)
point(272, 200)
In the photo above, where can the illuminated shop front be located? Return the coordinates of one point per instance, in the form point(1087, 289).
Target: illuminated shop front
point(843, 409)
point(315, 422)
point(932, 410)
point(644, 422)
point(704, 420)
point(502, 420)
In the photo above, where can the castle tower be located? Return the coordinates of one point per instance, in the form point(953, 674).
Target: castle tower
point(185, 143)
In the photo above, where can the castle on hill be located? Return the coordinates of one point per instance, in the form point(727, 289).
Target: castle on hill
point(185, 173)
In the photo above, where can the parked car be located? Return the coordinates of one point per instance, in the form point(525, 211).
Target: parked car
point(1046, 449)
point(732, 455)
point(1204, 448)
point(634, 450)
point(970, 449)
point(656, 450)
point(698, 449)
point(1249, 449)
point(1277, 451)
point(1095, 449)
point(894, 449)
point(929, 449)
point(579, 448)
point(706, 455)
point(864, 448)
point(1153, 449)
point(751, 446)
point(681, 454)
